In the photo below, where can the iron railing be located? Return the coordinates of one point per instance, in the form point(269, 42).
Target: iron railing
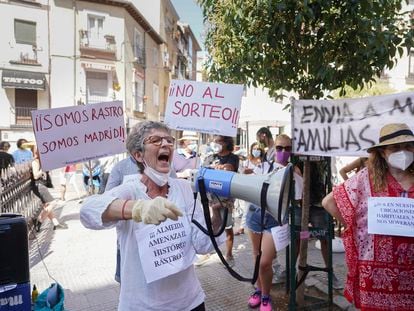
point(24, 115)
point(16, 196)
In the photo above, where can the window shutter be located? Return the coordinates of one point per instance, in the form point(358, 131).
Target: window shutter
point(25, 32)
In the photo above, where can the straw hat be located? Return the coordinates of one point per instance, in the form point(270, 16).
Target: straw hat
point(189, 135)
point(394, 133)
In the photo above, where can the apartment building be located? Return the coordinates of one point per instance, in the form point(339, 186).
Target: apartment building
point(64, 53)
point(24, 65)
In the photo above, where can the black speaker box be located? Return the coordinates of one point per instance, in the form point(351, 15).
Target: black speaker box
point(14, 250)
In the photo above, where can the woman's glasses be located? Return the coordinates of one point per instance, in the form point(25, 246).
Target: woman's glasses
point(157, 140)
point(284, 148)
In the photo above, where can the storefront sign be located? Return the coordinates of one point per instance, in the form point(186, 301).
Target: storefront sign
point(23, 80)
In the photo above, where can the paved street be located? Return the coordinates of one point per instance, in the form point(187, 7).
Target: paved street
point(83, 262)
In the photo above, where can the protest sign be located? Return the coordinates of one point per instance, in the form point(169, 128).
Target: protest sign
point(346, 127)
point(391, 216)
point(212, 108)
point(281, 236)
point(79, 133)
point(165, 249)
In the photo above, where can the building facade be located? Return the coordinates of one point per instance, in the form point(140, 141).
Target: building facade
point(24, 64)
point(64, 53)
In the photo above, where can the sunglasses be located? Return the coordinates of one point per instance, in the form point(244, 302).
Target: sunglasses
point(284, 148)
point(157, 140)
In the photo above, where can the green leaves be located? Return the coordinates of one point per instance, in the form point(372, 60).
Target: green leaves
point(306, 46)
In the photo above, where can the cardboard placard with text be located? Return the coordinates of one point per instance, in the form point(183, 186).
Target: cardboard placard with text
point(212, 108)
point(346, 127)
point(80, 133)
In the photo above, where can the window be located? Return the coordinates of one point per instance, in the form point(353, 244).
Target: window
point(155, 95)
point(190, 47)
point(26, 101)
point(25, 32)
point(139, 46)
point(95, 26)
point(97, 87)
point(138, 88)
point(155, 57)
point(411, 64)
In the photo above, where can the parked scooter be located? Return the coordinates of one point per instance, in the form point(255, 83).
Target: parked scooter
point(92, 168)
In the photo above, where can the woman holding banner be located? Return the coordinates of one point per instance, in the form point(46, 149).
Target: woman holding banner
point(152, 214)
point(380, 258)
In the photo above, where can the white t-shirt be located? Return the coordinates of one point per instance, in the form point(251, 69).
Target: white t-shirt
point(180, 291)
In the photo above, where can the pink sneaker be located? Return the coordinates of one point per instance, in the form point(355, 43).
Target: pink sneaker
point(266, 304)
point(255, 299)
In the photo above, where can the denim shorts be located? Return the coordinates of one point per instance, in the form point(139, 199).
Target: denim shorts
point(253, 220)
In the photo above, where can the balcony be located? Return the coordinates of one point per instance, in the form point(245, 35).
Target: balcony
point(23, 117)
point(27, 58)
point(97, 46)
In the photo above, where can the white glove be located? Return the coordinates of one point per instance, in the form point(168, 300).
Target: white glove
point(154, 211)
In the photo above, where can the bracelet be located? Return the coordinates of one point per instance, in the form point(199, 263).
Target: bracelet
point(123, 210)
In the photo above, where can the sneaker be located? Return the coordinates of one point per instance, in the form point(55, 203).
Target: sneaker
point(336, 283)
point(266, 304)
point(202, 260)
point(255, 299)
point(60, 226)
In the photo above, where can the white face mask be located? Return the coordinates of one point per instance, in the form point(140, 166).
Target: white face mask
point(216, 147)
point(159, 178)
point(256, 153)
point(401, 159)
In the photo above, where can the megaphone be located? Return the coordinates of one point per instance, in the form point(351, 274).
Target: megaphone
point(250, 187)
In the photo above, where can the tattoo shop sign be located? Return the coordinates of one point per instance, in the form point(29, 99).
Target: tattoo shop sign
point(346, 127)
point(391, 216)
point(165, 249)
point(77, 134)
point(212, 108)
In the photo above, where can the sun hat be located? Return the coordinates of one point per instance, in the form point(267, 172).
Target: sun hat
point(189, 135)
point(394, 133)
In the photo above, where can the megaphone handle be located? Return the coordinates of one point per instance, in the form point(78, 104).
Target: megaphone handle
point(206, 210)
point(204, 200)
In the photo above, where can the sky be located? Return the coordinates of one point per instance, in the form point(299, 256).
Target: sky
point(190, 12)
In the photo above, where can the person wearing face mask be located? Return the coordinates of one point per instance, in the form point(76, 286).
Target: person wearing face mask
point(380, 266)
point(265, 139)
point(22, 154)
point(152, 213)
point(185, 158)
point(224, 159)
point(261, 295)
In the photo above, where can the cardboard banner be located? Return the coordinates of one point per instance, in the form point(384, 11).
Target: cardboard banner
point(79, 133)
point(212, 108)
point(346, 127)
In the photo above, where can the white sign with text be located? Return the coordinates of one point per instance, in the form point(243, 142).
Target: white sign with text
point(281, 236)
point(165, 249)
point(346, 127)
point(391, 216)
point(212, 108)
point(80, 133)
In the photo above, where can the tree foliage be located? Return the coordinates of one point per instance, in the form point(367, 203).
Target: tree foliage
point(306, 46)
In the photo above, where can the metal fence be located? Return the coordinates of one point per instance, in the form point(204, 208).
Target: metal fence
point(16, 196)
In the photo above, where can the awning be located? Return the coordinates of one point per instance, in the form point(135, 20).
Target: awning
point(23, 80)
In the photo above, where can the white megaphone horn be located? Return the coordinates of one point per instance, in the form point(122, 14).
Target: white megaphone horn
point(249, 187)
